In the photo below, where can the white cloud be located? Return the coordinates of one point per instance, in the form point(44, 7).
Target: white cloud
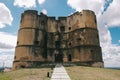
point(7, 48)
point(78, 5)
point(112, 55)
point(112, 15)
point(44, 11)
point(41, 1)
point(7, 41)
point(25, 3)
point(6, 59)
point(5, 16)
point(110, 18)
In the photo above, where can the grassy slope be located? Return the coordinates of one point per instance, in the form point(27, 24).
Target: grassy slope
point(76, 73)
point(26, 74)
point(88, 73)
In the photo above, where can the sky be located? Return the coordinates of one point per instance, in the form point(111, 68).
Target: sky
point(108, 23)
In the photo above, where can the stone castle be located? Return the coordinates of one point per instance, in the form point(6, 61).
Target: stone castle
point(43, 39)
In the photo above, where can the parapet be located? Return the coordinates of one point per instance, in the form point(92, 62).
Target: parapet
point(88, 11)
point(51, 18)
point(31, 12)
point(62, 18)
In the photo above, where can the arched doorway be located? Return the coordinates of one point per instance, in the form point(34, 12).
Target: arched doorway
point(22, 66)
point(58, 57)
point(69, 57)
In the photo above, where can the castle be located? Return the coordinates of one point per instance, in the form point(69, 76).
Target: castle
point(43, 39)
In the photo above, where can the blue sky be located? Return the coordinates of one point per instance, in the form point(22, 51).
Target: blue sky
point(115, 32)
point(108, 20)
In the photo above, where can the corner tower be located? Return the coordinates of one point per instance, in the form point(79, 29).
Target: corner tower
point(83, 38)
point(31, 42)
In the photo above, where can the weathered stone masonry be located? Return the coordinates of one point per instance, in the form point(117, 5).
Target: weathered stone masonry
point(43, 39)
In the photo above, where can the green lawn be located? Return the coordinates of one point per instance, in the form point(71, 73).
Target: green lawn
point(89, 73)
point(75, 73)
point(26, 74)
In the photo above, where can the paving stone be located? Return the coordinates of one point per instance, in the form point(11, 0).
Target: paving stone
point(60, 73)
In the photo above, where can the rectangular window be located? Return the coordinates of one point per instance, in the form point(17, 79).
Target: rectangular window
point(36, 42)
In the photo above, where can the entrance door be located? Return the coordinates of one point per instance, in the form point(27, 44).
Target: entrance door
point(59, 57)
point(69, 58)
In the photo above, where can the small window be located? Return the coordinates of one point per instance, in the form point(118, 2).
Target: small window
point(36, 42)
point(70, 44)
point(42, 22)
point(80, 14)
point(95, 21)
point(62, 28)
point(70, 57)
point(97, 36)
point(69, 28)
point(91, 51)
point(22, 66)
point(17, 42)
point(78, 39)
point(15, 57)
point(57, 44)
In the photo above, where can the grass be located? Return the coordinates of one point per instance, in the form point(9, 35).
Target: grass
point(89, 73)
point(26, 74)
point(75, 73)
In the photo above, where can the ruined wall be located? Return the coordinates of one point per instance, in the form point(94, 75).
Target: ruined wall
point(73, 39)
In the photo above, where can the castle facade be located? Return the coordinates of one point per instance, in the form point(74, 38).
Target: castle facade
point(43, 39)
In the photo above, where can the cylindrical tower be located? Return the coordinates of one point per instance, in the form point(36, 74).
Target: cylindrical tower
point(30, 43)
point(83, 38)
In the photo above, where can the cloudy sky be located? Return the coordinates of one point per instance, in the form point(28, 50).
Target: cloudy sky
point(108, 20)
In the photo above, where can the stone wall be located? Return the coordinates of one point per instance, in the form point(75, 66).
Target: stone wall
point(73, 38)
